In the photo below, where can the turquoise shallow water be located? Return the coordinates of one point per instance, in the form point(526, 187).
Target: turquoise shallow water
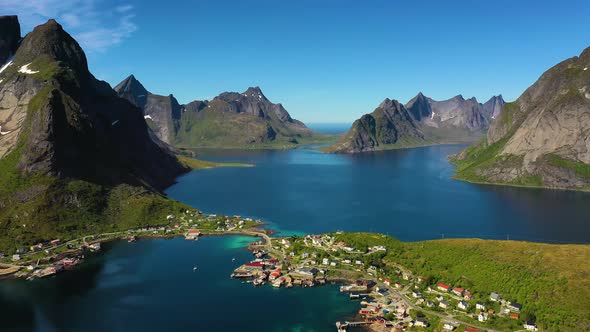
point(150, 286)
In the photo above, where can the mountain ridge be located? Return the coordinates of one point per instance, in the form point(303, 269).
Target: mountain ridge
point(425, 122)
point(231, 119)
point(74, 157)
point(542, 139)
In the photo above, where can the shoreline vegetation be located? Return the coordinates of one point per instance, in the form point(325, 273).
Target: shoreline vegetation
point(397, 283)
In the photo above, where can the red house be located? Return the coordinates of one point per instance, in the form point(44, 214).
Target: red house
point(458, 291)
point(443, 287)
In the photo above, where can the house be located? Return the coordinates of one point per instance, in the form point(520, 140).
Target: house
point(346, 261)
point(16, 257)
point(443, 287)
point(514, 316)
point(495, 297)
point(439, 298)
point(530, 326)
point(192, 234)
point(482, 317)
point(397, 285)
point(358, 262)
point(416, 294)
point(471, 329)
point(308, 271)
point(514, 306)
point(467, 296)
point(458, 291)
point(406, 276)
point(491, 311)
point(332, 263)
point(325, 261)
point(254, 265)
point(55, 242)
point(387, 282)
point(429, 304)
point(449, 327)
point(421, 321)
point(463, 305)
point(444, 304)
point(480, 305)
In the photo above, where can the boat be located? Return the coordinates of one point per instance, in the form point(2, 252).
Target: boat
point(132, 239)
point(354, 296)
point(194, 268)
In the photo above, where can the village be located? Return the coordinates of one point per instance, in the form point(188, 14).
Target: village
point(397, 302)
point(51, 257)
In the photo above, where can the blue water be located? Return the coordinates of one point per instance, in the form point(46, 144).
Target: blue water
point(150, 285)
point(408, 194)
point(330, 128)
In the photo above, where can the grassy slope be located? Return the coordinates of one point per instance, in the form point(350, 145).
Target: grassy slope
point(212, 128)
point(551, 281)
point(36, 208)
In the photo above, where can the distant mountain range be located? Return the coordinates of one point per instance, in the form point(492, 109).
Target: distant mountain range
point(421, 121)
point(541, 139)
point(74, 157)
point(229, 120)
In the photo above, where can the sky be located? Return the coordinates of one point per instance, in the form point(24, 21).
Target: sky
point(324, 60)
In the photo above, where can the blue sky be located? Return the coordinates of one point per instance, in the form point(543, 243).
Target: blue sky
point(325, 61)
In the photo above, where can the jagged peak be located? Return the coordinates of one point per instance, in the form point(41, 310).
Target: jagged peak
point(51, 40)
point(389, 103)
point(131, 84)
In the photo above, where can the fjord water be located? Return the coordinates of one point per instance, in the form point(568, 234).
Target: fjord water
point(150, 285)
point(409, 194)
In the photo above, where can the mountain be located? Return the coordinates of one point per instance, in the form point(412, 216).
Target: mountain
point(391, 123)
point(160, 112)
point(541, 139)
point(421, 121)
point(229, 120)
point(9, 37)
point(74, 157)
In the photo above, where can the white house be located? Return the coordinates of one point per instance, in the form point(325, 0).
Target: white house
point(482, 317)
point(325, 261)
point(449, 327)
point(530, 326)
point(480, 305)
point(463, 305)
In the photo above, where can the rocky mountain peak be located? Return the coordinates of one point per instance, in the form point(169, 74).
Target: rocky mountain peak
point(254, 92)
point(132, 90)
point(9, 36)
point(52, 41)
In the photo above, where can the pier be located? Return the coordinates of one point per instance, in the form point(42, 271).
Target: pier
point(342, 326)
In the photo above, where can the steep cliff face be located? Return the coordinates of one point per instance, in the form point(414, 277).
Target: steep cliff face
point(9, 37)
point(424, 121)
point(68, 142)
point(160, 112)
point(229, 120)
point(541, 139)
point(390, 125)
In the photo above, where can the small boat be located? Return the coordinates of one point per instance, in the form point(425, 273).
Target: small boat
point(194, 268)
point(132, 239)
point(233, 259)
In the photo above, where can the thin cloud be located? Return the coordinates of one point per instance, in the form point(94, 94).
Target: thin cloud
point(94, 23)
